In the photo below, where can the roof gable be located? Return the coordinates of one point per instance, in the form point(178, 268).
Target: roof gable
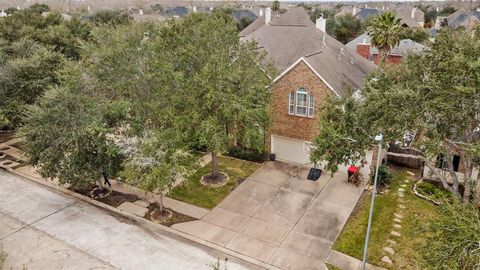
point(292, 37)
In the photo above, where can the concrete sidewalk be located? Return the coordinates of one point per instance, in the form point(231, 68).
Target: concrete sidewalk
point(279, 217)
point(43, 229)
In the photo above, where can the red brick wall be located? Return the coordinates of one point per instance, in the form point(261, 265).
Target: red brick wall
point(292, 126)
point(364, 50)
point(391, 59)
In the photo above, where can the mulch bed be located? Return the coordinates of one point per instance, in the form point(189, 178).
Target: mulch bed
point(214, 181)
point(114, 199)
point(153, 214)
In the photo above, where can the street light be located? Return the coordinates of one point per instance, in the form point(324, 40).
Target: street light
point(378, 139)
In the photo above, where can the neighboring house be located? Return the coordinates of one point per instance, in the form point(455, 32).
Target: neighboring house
point(463, 18)
point(312, 66)
point(344, 10)
point(177, 12)
point(365, 13)
point(3, 13)
point(247, 14)
point(362, 45)
point(441, 167)
point(410, 16)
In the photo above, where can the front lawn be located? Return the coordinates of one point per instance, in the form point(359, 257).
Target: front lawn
point(352, 239)
point(193, 192)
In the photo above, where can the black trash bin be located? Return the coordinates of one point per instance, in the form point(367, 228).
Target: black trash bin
point(314, 174)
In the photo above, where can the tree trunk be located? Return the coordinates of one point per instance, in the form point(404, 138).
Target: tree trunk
point(100, 183)
point(214, 164)
point(443, 180)
point(451, 170)
point(467, 179)
point(160, 203)
point(477, 193)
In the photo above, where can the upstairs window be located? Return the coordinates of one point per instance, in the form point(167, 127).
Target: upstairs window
point(311, 105)
point(302, 102)
point(291, 103)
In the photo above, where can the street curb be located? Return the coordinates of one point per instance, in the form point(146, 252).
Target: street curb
point(144, 222)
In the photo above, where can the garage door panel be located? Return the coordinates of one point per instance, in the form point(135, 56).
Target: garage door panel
point(290, 150)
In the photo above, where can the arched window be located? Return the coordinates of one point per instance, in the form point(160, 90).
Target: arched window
point(300, 103)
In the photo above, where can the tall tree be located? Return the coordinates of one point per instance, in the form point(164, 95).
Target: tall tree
point(347, 28)
point(28, 70)
point(67, 137)
point(385, 34)
point(220, 91)
point(439, 100)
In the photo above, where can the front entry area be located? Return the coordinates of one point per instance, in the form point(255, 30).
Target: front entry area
point(292, 150)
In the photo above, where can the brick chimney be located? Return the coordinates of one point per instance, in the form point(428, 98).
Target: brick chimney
point(364, 50)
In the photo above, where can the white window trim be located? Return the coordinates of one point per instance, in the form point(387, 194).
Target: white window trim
point(301, 91)
point(311, 106)
point(291, 103)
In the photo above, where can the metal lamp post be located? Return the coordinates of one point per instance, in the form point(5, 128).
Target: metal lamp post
point(378, 139)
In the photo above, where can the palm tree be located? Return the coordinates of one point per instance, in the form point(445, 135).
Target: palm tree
point(385, 34)
point(276, 5)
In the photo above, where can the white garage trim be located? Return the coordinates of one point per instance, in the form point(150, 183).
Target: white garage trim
point(290, 149)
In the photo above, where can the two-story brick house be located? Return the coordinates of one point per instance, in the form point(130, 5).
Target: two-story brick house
point(312, 67)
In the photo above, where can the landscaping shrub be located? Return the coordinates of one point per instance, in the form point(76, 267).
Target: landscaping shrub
point(384, 176)
point(454, 241)
point(4, 122)
point(247, 154)
point(432, 191)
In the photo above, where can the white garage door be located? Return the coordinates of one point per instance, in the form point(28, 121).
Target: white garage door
point(291, 149)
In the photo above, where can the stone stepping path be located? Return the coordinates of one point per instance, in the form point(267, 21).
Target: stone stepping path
point(388, 250)
point(386, 260)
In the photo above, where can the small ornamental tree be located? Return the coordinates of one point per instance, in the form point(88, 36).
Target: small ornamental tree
point(156, 164)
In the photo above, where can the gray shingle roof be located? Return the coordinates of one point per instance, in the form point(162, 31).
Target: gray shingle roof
point(367, 12)
point(177, 12)
point(402, 49)
point(292, 36)
point(239, 14)
point(462, 17)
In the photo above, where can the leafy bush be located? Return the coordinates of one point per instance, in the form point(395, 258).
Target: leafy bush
point(453, 240)
point(432, 191)
point(384, 176)
point(246, 154)
point(4, 122)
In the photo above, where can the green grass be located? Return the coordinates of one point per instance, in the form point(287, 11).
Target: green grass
point(193, 192)
point(352, 239)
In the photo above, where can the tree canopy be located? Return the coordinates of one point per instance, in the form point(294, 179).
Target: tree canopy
point(151, 92)
point(434, 94)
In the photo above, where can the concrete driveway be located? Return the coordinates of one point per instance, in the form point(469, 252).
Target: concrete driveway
point(280, 217)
